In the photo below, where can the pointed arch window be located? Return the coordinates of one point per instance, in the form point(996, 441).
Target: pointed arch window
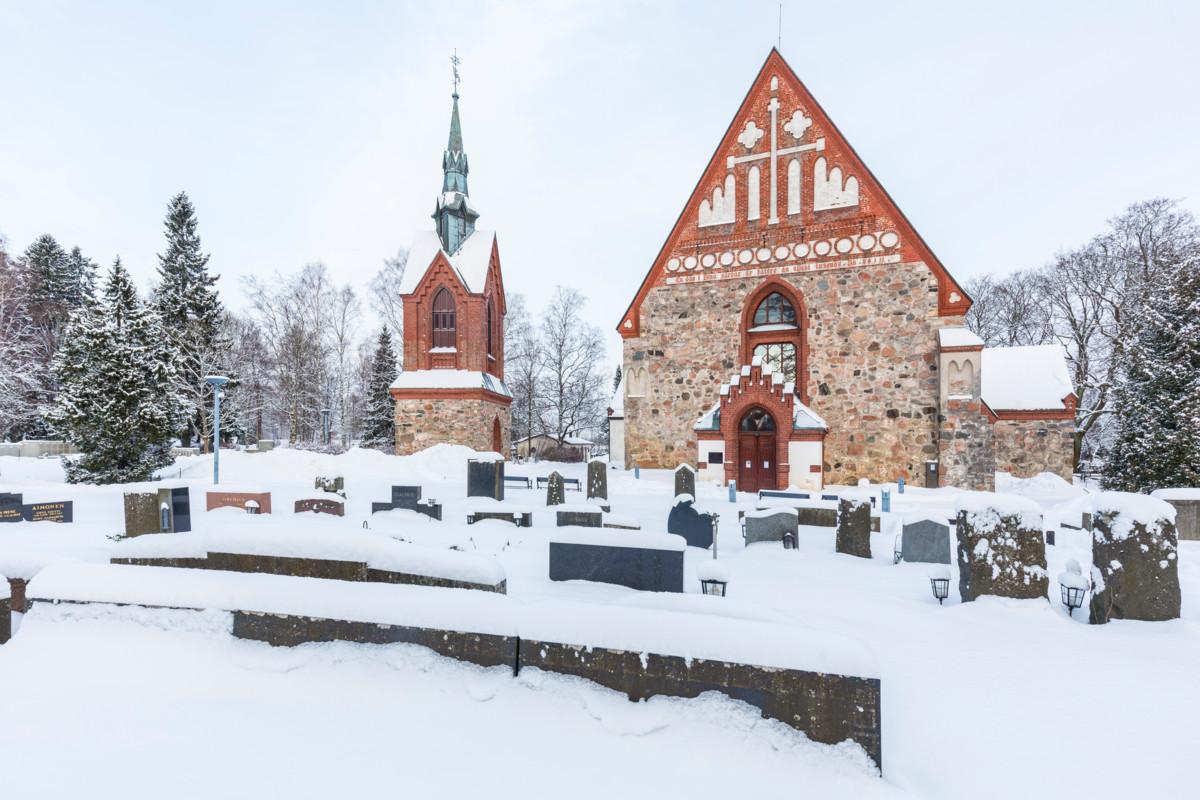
point(491, 330)
point(444, 322)
point(773, 323)
point(775, 309)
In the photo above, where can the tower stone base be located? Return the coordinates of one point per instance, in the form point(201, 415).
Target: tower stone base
point(423, 421)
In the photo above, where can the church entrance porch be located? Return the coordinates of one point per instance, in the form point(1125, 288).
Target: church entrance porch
point(761, 434)
point(756, 452)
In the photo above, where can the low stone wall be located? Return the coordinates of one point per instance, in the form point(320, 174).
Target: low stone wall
point(1187, 517)
point(1025, 448)
point(409, 579)
point(827, 708)
point(284, 630)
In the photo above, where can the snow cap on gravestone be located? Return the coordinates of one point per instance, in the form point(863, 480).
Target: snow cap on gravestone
point(685, 480)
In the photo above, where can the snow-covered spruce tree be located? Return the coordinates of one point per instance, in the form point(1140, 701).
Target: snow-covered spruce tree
point(116, 400)
point(192, 317)
point(379, 424)
point(1156, 396)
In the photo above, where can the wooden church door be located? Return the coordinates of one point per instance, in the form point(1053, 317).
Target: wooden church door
point(756, 451)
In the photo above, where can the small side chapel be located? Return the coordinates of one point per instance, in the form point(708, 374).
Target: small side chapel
point(796, 330)
point(452, 388)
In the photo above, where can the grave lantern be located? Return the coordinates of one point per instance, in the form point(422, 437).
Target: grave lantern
point(714, 578)
point(713, 587)
point(939, 582)
point(789, 541)
point(1073, 586)
point(251, 506)
point(164, 518)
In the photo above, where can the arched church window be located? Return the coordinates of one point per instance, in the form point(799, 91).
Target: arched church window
point(491, 331)
point(757, 420)
point(779, 356)
point(775, 310)
point(443, 319)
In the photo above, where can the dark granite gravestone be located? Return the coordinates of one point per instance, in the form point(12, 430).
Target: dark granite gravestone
point(854, 527)
point(54, 511)
point(406, 497)
point(685, 480)
point(181, 509)
point(926, 541)
point(321, 505)
point(579, 517)
point(485, 478)
point(696, 528)
point(10, 507)
point(597, 480)
point(555, 491)
point(1004, 557)
point(770, 525)
point(1135, 568)
point(644, 568)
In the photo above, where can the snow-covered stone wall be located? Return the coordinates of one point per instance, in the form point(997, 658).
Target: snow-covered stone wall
point(451, 420)
point(1025, 448)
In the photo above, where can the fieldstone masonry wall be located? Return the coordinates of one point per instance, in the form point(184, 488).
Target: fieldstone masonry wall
point(966, 448)
point(424, 423)
point(872, 366)
point(1028, 447)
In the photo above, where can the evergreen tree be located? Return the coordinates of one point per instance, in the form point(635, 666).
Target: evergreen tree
point(116, 399)
point(379, 427)
point(1156, 397)
point(617, 379)
point(49, 281)
point(80, 276)
point(192, 317)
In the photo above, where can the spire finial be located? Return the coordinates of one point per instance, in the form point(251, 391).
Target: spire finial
point(454, 62)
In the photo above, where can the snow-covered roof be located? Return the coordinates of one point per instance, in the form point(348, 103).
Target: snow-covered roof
point(1033, 378)
point(958, 337)
point(470, 262)
point(575, 440)
point(450, 379)
point(617, 403)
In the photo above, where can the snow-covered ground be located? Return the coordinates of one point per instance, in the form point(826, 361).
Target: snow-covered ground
point(987, 699)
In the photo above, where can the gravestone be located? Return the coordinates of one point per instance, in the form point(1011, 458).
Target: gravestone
point(220, 499)
point(685, 480)
point(181, 509)
point(770, 525)
point(1186, 503)
point(10, 507)
point(406, 497)
point(142, 513)
point(580, 517)
point(1135, 560)
point(53, 511)
point(854, 527)
point(925, 541)
point(334, 484)
point(597, 480)
point(485, 478)
point(654, 564)
point(1000, 547)
point(555, 491)
point(696, 528)
point(321, 505)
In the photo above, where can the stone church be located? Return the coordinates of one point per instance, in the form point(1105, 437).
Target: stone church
point(452, 388)
point(796, 330)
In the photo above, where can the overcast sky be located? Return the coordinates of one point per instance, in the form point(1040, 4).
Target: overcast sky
point(314, 131)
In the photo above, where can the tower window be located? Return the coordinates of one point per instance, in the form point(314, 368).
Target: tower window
point(491, 330)
point(443, 319)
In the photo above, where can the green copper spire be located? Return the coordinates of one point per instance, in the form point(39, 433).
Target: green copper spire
point(454, 216)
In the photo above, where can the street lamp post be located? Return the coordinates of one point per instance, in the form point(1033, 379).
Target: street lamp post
point(216, 381)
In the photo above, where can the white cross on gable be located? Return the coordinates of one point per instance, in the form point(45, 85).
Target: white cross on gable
point(797, 126)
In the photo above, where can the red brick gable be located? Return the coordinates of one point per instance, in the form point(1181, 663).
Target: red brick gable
point(471, 319)
point(840, 217)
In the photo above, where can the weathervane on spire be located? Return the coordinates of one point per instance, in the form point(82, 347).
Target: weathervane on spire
point(454, 62)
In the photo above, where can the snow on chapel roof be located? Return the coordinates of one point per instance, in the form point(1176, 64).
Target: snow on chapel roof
point(450, 379)
point(958, 337)
point(470, 262)
point(1033, 378)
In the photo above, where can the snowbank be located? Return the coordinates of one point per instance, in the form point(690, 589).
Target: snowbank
point(1181, 493)
point(712, 570)
point(24, 564)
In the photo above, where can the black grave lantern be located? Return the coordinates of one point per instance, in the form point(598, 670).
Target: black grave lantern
point(789, 541)
point(713, 587)
point(940, 586)
point(1072, 597)
point(164, 518)
point(251, 506)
